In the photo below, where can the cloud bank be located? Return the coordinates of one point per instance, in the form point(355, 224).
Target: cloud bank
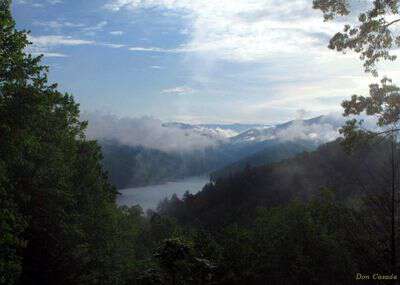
point(147, 132)
point(243, 30)
point(269, 56)
point(323, 130)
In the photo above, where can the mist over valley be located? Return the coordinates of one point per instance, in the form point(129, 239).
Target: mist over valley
point(145, 151)
point(201, 142)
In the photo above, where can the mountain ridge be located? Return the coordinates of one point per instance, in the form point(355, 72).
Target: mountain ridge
point(131, 166)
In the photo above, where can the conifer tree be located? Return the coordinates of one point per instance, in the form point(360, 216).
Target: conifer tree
point(58, 215)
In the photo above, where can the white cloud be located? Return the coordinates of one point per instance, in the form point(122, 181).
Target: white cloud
point(87, 30)
point(117, 33)
point(113, 45)
point(154, 49)
point(57, 24)
point(36, 4)
point(148, 132)
point(156, 67)
point(180, 90)
point(269, 56)
point(323, 132)
point(46, 44)
point(55, 40)
point(48, 54)
point(243, 30)
point(92, 30)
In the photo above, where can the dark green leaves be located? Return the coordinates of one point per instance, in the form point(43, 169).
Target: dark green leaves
point(372, 37)
point(330, 8)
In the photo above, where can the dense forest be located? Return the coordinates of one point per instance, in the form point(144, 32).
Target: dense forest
point(321, 217)
point(130, 166)
point(280, 222)
point(272, 152)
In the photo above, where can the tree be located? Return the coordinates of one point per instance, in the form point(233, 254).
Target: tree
point(373, 37)
point(15, 68)
point(295, 244)
point(177, 260)
point(59, 222)
point(12, 225)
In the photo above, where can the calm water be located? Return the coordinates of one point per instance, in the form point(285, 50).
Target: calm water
point(148, 197)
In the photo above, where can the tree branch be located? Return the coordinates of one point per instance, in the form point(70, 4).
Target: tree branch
point(391, 23)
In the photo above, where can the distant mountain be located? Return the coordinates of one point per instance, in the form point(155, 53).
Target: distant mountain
point(320, 129)
point(222, 130)
point(269, 144)
point(230, 152)
point(216, 134)
point(238, 128)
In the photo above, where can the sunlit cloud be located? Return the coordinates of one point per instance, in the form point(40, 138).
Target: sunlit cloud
point(116, 33)
point(36, 4)
point(55, 40)
point(180, 90)
point(242, 30)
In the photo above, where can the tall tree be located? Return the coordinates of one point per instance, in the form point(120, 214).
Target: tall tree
point(373, 35)
point(57, 210)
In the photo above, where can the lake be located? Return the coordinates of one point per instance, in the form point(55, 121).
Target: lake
point(148, 197)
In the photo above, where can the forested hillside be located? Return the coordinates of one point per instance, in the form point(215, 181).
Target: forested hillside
point(58, 220)
point(275, 151)
point(236, 197)
point(136, 166)
point(321, 217)
point(279, 222)
point(130, 166)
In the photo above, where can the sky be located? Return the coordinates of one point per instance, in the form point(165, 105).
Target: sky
point(193, 61)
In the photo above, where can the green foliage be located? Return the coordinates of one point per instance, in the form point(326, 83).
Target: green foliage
point(270, 154)
point(238, 253)
point(137, 166)
point(130, 166)
point(233, 199)
point(330, 8)
point(293, 242)
point(12, 225)
point(274, 223)
point(355, 137)
point(179, 264)
point(372, 37)
point(319, 241)
point(382, 102)
point(171, 253)
point(59, 222)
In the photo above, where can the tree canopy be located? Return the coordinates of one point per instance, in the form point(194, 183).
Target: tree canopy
point(58, 215)
point(372, 35)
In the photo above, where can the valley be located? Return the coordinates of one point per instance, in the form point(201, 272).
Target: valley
point(204, 143)
point(226, 149)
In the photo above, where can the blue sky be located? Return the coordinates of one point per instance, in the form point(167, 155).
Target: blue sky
point(196, 61)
